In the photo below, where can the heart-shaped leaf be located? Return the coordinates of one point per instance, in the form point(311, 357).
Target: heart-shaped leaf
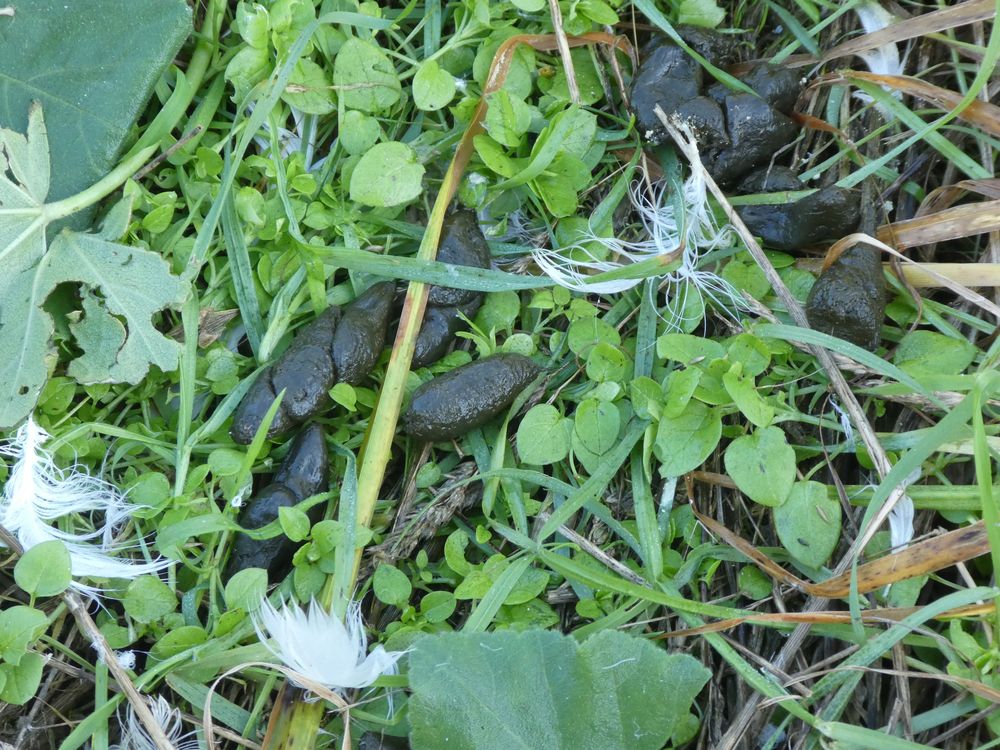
point(808, 523)
point(762, 465)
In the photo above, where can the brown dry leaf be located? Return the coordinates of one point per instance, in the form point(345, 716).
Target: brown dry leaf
point(942, 197)
point(982, 114)
point(911, 28)
point(211, 324)
point(918, 559)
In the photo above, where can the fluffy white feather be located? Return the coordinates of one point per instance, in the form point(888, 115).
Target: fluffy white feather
point(883, 60)
point(320, 646)
point(38, 493)
point(135, 737)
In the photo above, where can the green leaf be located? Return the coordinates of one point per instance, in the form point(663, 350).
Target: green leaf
point(596, 424)
point(930, 353)
point(762, 465)
point(133, 284)
point(246, 589)
point(92, 74)
point(808, 523)
point(387, 175)
point(391, 586)
point(44, 569)
point(541, 437)
point(507, 118)
point(147, 599)
point(700, 13)
point(529, 6)
point(308, 89)
point(685, 441)
point(358, 132)
point(294, 522)
point(20, 626)
point(365, 78)
point(438, 606)
point(743, 390)
point(21, 681)
point(487, 691)
point(433, 87)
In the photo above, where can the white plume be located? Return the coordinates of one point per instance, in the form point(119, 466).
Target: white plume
point(38, 493)
point(318, 645)
point(135, 737)
point(882, 60)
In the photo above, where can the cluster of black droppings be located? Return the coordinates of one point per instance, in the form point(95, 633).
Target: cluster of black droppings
point(467, 397)
point(303, 474)
point(738, 136)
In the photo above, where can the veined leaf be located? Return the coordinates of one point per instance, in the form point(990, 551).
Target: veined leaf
point(124, 286)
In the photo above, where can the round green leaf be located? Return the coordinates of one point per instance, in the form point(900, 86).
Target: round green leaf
point(606, 363)
point(808, 523)
point(433, 87)
point(147, 599)
point(294, 522)
point(596, 424)
point(45, 569)
point(308, 89)
point(437, 606)
point(358, 132)
point(365, 77)
point(685, 441)
point(387, 175)
point(391, 585)
point(541, 438)
point(246, 589)
point(762, 465)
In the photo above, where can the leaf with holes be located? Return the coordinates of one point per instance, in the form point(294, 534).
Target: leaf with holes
point(123, 287)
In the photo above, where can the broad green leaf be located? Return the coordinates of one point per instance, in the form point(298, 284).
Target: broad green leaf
point(930, 353)
point(246, 589)
point(44, 569)
point(437, 606)
point(387, 175)
point(507, 118)
point(534, 689)
point(365, 78)
point(294, 522)
point(700, 13)
point(743, 390)
point(596, 424)
point(22, 680)
point(541, 436)
point(132, 283)
point(762, 465)
point(684, 442)
point(308, 89)
point(92, 70)
point(433, 86)
point(19, 627)
point(147, 599)
point(686, 349)
point(358, 132)
point(808, 523)
point(391, 586)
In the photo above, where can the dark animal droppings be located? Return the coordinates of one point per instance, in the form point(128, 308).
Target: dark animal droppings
point(438, 330)
point(302, 474)
point(360, 336)
point(848, 299)
point(462, 244)
point(467, 397)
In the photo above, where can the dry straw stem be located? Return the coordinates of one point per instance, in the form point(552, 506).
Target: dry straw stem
point(919, 558)
point(911, 28)
point(950, 224)
point(567, 59)
point(932, 275)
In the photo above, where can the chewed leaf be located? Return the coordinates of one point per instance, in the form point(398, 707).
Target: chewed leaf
point(122, 287)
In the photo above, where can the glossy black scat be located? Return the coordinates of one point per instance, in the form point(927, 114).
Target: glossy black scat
point(306, 467)
point(829, 213)
point(467, 397)
point(303, 473)
point(252, 409)
point(360, 336)
point(757, 132)
point(779, 87)
point(848, 299)
point(438, 330)
point(668, 77)
point(462, 244)
point(301, 372)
